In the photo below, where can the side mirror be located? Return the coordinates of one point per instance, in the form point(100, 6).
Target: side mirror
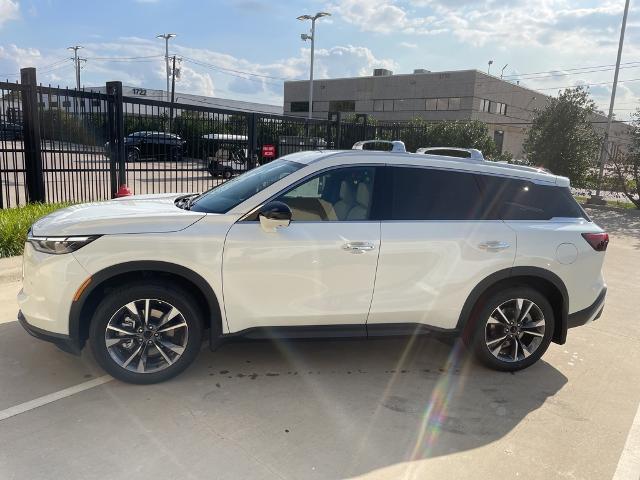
point(273, 215)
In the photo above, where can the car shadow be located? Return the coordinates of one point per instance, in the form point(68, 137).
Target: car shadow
point(381, 401)
point(618, 222)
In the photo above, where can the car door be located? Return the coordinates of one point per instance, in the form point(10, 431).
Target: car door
point(436, 247)
point(317, 271)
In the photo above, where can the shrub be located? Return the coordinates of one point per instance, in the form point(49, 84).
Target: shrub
point(15, 223)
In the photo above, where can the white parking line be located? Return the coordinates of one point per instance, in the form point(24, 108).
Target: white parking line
point(53, 397)
point(629, 463)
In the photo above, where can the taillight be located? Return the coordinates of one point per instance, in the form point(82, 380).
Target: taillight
point(598, 241)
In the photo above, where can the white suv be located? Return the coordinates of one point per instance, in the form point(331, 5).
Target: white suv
point(333, 243)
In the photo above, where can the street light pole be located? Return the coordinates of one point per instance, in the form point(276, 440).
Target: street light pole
point(490, 62)
point(311, 37)
point(502, 71)
point(166, 37)
point(603, 151)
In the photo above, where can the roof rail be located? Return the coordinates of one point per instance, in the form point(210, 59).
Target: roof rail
point(474, 154)
point(396, 145)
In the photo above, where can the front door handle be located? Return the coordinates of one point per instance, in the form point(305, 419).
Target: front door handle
point(358, 247)
point(494, 245)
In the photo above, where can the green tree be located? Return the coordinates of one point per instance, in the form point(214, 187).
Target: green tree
point(626, 165)
point(562, 137)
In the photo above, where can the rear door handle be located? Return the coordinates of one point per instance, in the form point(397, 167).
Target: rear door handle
point(358, 247)
point(494, 245)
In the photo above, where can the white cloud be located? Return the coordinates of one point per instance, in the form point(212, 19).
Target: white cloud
point(9, 10)
point(203, 71)
point(384, 16)
point(408, 45)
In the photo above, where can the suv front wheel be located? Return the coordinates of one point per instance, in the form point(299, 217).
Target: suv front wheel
point(146, 333)
point(513, 329)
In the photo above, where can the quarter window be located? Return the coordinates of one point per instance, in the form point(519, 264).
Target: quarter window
point(425, 194)
point(510, 199)
point(343, 194)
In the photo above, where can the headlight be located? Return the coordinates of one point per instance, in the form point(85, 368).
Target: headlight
point(59, 245)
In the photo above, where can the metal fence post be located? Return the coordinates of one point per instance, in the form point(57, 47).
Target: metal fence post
point(31, 132)
point(252, 134)
point(115, 120)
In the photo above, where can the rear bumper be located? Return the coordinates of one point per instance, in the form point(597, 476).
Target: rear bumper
point(63, 342)
point(589, 314)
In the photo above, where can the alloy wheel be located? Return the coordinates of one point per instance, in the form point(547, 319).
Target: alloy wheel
point(514, 330)
point(146, 335)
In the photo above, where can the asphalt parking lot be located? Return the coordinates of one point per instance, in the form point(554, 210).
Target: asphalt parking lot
point(392, 408)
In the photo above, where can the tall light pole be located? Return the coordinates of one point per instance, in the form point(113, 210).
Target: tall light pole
point(489, 66)
point(311, 37)
point(76, 63)
point(603, 151)
point(502, 71)
point(166, 37)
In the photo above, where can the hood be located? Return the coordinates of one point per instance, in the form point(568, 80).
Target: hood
point(136, 214)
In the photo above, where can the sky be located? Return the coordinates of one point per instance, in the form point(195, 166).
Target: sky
point(245, 49)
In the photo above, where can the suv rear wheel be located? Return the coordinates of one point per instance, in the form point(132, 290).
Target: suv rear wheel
point(146, 333)
point(513, 329)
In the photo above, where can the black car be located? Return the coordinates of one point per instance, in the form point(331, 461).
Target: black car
point(10, 131)
point(153, 145)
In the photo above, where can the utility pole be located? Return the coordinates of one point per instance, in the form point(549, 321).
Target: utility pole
point(311, 37)
point(597, 199)
point(173, 91)
point(76, 62)
point(167, 37)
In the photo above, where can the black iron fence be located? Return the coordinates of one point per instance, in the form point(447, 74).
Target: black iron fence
point(65, 145)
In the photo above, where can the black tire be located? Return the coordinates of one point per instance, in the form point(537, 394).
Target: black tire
point(227, 174)
point(175, 154)
point(133, 155)
point(485, 331)
point(116, 300)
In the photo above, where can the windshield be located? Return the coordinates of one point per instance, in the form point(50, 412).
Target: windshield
point(226, 196)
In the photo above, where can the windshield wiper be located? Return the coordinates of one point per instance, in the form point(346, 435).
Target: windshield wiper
point(191, 199)
point(186, 201)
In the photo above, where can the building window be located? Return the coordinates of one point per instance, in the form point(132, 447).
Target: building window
point(66, 103)
point(454, 103)
point(442, 104)
point(53, 104)
point(446, 103)
point(398, 105)
point(378, 105)
point(299, 106)
point(501, 108)
point(485, 105)
point(342, 106)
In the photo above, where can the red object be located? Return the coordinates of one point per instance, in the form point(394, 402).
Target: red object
point(123, 191)
point(598, 241)
point(269, 151)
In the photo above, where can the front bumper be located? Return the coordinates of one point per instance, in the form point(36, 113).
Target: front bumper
point(63, 342)
point(589, 314)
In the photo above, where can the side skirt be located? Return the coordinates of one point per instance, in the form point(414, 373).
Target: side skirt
point(312, 332)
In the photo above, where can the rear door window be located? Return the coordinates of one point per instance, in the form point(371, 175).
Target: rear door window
point(513, 199)
point(429, 194)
